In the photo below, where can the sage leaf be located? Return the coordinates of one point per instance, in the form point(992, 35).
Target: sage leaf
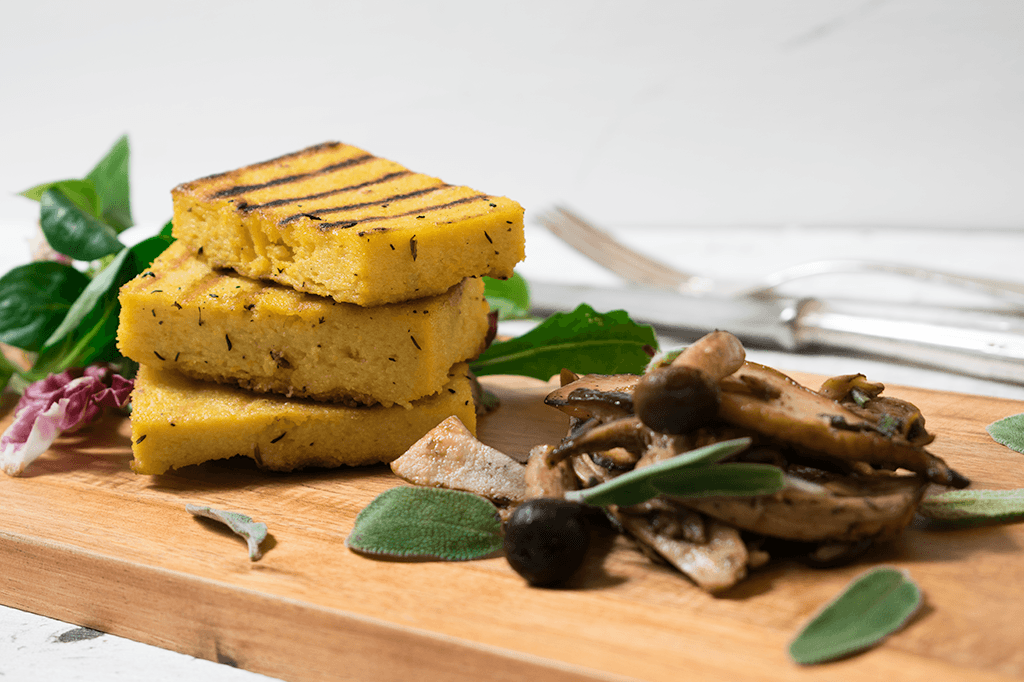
point(73, 232)
point(110, 177)
point(742, 479)
point(640, 485)
point(254, 532)
point(1009, 432)
point(870, 608)
point(585, 341)
point(427, 523)
point(34, 298)
point(510, 298)
point(972, 507)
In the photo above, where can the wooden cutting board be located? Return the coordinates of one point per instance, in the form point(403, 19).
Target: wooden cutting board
point(84, 540)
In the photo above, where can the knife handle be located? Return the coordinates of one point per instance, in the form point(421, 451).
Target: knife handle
point(988, 344)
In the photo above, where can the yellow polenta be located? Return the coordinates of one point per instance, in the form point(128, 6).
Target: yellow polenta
point(220, 326)
point(178, 421)
point(336, 221)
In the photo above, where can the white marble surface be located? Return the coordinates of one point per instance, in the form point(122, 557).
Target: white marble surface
point(725, 137)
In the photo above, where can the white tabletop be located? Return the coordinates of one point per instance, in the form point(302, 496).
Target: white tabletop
point(727, 138)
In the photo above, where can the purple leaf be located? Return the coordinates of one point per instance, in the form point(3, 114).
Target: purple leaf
point(57, 404)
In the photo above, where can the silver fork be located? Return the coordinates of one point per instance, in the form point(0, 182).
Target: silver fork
point(638, 268)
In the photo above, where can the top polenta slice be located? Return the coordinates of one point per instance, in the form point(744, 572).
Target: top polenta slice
point(336, 221)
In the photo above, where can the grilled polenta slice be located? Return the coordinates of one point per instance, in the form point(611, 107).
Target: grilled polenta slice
point(336, 221)
point(177, 421)
point(219, 326)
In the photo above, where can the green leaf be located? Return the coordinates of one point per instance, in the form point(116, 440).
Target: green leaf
point(112, 185)
point(427, 523)
point(254, 532)
point(640, 485)
point(165, 231)
point(34, 298)
point(509, 297)
point(975, 507)
point(1009, 432)
point(743, 479)
point(872, 607)
point(584, 341)
point(72, 231)
point(7, 370)
point(82, 193)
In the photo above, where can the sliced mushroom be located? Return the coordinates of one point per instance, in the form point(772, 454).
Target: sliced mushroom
point(548, 480)
point(830, 507)
point(769, 402)
point(604, 396)
point(449, 456)
point(627, 433)
point(715, 565)
point(890, 415)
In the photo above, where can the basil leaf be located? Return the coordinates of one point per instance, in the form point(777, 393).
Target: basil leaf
point(509, 297)
point(584, 341)
point(254, 532)
point(974, 507)
point(872, 607)
point(72, 231)
point(112, 185)
point(165, 231)
point(88, 333)
point(34, 298)
point(7, 370)
point(744, 479)
point(82, 193)
point(1008, 432)
point(640, 485)
point(427, 523)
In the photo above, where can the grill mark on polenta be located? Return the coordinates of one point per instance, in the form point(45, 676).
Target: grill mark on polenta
point(308, 151)
point(204, 284)
point(320, 195)
point(286, 179)
point(364, 204)
point(344, 224)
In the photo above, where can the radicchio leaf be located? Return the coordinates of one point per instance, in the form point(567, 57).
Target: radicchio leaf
point(57, 404)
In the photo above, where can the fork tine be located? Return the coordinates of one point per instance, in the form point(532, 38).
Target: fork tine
point(602, 248)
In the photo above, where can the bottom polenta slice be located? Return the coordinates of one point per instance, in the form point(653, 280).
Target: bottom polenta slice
point(177, 421)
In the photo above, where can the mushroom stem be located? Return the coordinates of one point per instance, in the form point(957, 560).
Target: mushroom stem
point(717, 354)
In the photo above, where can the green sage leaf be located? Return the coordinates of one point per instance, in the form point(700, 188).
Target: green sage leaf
point(640, 485)
point(254, 532)
point(73, 232)
point(34, 298)
point(427, 523)
point(1009, 432)
point(872, 607)
point(110, 176)
point(743, 479)
point(973, 507)
point(584, 341)
point(509, 297)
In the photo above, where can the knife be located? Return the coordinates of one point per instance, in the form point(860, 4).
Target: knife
point(987, 344)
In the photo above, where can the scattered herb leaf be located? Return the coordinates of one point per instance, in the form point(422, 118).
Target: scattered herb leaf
point(872, 607)
point(1009, 432)
point(742, 479)
point(510, 298)
point(584, 341)
point(427, 523)
point(72, 231)
point(973, 507)
point(640, 485)
point(254, 532)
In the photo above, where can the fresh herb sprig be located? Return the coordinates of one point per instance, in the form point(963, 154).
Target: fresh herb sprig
point(66, 316)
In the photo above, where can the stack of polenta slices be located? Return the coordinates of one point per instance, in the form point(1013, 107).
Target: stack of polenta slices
point(316, 309)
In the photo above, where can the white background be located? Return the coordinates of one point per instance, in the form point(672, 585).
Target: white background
point(819, 127)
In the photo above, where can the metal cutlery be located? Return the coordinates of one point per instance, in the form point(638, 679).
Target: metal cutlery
point(987, 344)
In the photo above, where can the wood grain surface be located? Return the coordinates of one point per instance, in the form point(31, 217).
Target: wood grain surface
point(84, 540)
